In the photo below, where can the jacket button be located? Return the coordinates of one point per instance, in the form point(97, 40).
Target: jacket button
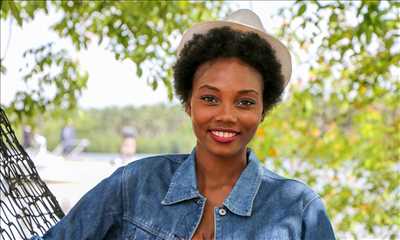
point(222, 212)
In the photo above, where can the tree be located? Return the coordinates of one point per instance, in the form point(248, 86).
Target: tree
point(340, 132)
point(140, 31)
point(340, 129)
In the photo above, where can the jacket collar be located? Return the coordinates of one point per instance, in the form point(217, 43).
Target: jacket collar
point(241, 198)
point(183, 185)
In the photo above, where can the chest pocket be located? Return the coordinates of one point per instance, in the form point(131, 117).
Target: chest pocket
point(142, 231)
point(136, 233)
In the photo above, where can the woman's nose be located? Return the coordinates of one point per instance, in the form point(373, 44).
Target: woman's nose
point(226, 113)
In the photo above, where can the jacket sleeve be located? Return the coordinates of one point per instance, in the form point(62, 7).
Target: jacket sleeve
point(96, 213)
point(316, 224)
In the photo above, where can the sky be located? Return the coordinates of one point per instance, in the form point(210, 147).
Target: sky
point(111, 82)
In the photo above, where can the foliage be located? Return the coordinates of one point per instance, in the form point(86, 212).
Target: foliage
point(103, 128)
point(140, 31)
point(340, 132)
point(48, 69)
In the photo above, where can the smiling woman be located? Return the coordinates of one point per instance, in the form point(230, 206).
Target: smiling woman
point(228, 75)
point(225, 107)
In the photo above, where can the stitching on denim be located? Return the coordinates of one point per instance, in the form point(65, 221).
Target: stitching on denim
point(180, 222)
point(234, 209)
point(171, 186)
point(216, 219)
point(279, 178)
point(180, 198)
point(255, 193)
point(124, 199)
point(179, 158)
point(173, 183)
point(167, 197)
point(124, 184)
point(308, 204)
point(157, 231)
point(196, 224)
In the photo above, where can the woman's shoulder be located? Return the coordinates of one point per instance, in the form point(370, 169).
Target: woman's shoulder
point(287, 188)
point(161, 165)
point(158, 159)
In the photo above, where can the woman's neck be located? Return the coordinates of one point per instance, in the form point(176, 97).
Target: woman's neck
point(217, 171)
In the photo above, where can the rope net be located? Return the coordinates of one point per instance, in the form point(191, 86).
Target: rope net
point(27, 207)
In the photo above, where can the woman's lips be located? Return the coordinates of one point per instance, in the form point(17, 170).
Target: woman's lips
point(223, 136)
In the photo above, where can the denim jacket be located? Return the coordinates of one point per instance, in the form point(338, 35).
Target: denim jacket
point(158, 198)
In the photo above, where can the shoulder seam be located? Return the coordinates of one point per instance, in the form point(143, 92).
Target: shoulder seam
point(270, 174)
point(309, 203)
point(281, 178)
point(167, 156)
point(124, 195)
point(172, 157)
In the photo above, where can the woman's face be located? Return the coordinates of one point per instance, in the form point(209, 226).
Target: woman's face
point(225, 106)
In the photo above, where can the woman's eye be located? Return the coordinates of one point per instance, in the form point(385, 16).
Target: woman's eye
point(246, 102)
point(209, 99)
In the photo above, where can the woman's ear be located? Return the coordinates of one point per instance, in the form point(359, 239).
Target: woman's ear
point(262, 116)
point(188, 108)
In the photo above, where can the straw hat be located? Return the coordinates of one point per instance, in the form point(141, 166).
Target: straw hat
point(244, 20)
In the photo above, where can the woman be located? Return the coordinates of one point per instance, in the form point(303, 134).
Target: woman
point(228, 75)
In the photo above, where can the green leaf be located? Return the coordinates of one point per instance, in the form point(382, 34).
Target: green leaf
point(154, 84)
point(333, 18)
point(302, 9)
point(15, 11)
point(139, 71)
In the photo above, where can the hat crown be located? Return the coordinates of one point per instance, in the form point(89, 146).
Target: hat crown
point(244, 20)
point(247, 17)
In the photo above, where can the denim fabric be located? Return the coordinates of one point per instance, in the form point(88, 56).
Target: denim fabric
point(158, 198)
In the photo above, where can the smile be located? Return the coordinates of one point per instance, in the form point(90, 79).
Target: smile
point(223, 134)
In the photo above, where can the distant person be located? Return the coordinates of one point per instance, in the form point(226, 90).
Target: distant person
point(128, 146)
point(68, 139)
point(228, 75)
point(27, 137)
point(35, 143)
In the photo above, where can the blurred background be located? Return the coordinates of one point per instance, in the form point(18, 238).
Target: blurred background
point(87, 86)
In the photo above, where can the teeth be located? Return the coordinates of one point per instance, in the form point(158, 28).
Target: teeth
point(223, 134)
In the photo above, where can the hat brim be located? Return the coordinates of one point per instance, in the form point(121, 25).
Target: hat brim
point(281, 51)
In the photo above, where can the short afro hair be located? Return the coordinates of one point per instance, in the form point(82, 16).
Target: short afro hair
point(225, 42)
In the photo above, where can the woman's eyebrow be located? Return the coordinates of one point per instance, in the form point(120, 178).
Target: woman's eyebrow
point(248, 91)
point(209, 87)
point(243, 91)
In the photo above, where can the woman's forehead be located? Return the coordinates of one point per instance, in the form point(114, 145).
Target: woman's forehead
point(227, 73)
